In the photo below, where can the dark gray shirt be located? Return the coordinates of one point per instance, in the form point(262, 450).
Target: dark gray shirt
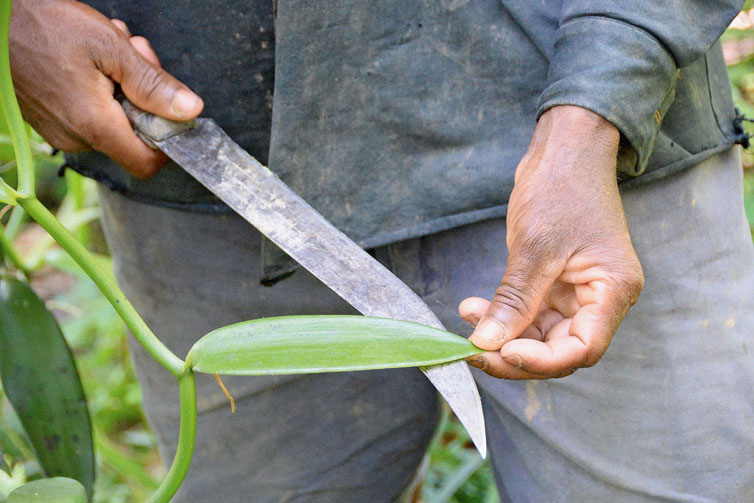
point(397, 119)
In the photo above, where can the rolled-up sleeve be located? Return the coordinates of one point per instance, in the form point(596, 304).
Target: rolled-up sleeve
point(621, 60)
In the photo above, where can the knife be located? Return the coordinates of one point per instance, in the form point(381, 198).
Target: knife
point(208, 154)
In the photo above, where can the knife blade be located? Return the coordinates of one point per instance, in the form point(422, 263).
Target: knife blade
point(208, 154)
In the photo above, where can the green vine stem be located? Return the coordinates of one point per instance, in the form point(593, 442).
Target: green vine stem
point(17, 217)
point(8, 102)
point(9, 251)
point(75, 186)
point(186, 440)
point(36, 210)
point(26, 199)
point(106, 284)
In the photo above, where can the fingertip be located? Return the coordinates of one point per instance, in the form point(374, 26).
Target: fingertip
point(523, 351)
point(499, 367)
point(514, 360)
point(489, 334)
point(144, 48)
point(484, 344)
point(147, 165)
point(470, 317)
point(122, 26)
point(478, 361)
point(473, 308)
point(186, 104)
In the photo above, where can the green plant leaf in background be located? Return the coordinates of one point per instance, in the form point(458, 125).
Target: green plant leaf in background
point(308, 344)
point(41, 381)
point(54, 490)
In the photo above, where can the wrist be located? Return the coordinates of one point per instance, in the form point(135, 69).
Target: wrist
point(572, 138)
point(574, 122)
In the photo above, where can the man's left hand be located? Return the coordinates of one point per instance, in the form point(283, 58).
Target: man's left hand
point(572, 272)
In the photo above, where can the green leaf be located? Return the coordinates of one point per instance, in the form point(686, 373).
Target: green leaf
point(40, 380)
point(54, 490)
point(308, 344)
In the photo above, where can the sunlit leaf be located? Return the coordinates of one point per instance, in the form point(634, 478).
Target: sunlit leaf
point(40, 380)
point(54, 490)
point(308, 344)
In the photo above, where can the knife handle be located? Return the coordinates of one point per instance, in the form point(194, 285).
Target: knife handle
point(151, 128)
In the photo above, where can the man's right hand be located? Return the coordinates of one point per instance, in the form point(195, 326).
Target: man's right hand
point(66, 59)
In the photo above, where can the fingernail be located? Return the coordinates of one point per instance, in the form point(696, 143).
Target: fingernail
point(479, 362)
point(514, 360)
point(490, 330)
point(184, 102)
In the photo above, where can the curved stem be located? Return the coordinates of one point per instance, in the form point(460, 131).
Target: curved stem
point(17, 217)
point(25, 197)
point(186, 439)
point(75, 187)
point(106, 283)
point(10, 252)
point(9, 104)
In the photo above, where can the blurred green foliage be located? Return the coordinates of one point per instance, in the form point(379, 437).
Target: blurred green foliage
point(128, 466)
point(738, 45)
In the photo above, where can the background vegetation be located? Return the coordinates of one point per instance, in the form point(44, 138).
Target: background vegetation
point(128, 465)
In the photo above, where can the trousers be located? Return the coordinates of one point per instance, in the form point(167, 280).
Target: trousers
point(665, 416)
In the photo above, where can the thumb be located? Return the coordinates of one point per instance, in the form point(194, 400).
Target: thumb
point(150, 87)
point(516, 301)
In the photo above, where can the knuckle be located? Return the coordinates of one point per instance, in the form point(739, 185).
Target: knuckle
point(537, 247)
point(513, 294)
point(105, 46)
point(591, 358)
point(594, 353)
point(629, 283)
point(150, 81)
point(635, 285)
point(66, 143)
point(537, 329)
point(141, 172)
point(537, 236)
point(147, 169)
point(86, 126)
point(122, 26)
point(70, 145)
point(140, 39)
point(82, 124)
point(147, 165)
point(565, 373)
